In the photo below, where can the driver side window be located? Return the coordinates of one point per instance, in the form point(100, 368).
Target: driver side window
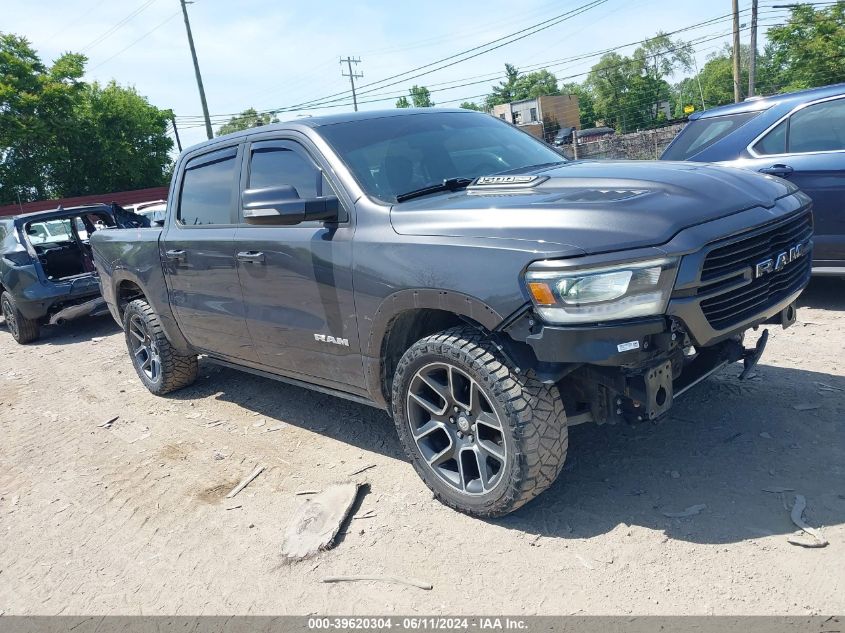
point(276, 166)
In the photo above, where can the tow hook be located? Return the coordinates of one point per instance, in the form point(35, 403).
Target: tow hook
point(751, 357)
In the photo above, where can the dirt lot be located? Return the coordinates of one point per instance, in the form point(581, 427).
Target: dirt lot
point(132, 520)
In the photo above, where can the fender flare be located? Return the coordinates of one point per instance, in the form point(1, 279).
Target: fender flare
point(415, 299)
point(161, 306)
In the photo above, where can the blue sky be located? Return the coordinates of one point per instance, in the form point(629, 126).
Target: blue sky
point(270, 54)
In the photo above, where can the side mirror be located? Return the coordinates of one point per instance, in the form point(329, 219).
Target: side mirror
point(282, 206)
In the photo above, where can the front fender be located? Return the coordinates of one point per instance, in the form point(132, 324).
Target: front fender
point(416, 299)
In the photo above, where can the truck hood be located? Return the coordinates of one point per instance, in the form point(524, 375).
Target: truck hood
point(594, 206)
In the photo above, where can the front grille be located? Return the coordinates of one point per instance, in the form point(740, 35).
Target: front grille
point(734, 306)
point(737, 256)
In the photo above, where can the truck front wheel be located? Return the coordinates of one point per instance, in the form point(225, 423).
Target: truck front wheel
point(484, 438)
point(160, 367)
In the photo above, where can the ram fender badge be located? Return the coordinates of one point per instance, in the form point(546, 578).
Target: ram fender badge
point(325, 338)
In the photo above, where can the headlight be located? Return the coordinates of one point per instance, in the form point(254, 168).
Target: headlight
point(602, 294)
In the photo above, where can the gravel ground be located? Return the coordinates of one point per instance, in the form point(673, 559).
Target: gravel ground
point(131, 519)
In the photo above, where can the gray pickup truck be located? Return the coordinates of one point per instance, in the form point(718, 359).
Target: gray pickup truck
point(446, 267)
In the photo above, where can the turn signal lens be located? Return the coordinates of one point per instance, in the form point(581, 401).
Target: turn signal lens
point(541, 293)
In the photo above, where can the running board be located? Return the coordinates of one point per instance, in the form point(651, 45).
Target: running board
point(295, 382)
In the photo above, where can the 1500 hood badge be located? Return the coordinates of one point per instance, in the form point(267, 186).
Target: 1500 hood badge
point(508, 181)
point(777, 262)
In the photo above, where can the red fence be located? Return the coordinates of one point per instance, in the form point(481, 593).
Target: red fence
point(122, 198)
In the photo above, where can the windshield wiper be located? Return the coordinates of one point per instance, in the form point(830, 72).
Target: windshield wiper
point(448, 184)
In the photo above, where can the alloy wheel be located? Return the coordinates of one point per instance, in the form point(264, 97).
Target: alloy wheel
point(456, 429)
point(9, 316)
point(144, 349)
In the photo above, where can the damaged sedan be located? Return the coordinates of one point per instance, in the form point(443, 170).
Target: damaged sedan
point(47, 275)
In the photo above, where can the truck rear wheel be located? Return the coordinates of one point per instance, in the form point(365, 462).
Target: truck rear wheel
point(484, 438)
point(160, 367)
point(23, 330)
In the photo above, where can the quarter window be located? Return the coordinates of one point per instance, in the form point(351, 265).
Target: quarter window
point(774, 142)
point(207, 190)
point(277, 166)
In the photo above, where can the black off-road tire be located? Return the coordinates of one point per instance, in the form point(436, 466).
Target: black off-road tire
point(531, 415)
point(23, 330)
point(175, 370)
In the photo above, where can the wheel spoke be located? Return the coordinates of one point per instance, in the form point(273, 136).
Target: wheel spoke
point(438, 459)
point(134, 332)
point(140, 350)
point(436, 387)
point(428, 406)
point(427, 429)
point(493, 450)
point(489, 420)
point(483, 472)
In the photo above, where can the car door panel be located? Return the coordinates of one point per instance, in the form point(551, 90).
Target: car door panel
point(298, 297)
point(198, 254)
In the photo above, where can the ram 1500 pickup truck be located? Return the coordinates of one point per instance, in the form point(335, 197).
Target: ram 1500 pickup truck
point(455, 271)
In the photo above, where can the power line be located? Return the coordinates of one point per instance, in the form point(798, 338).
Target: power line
point(123, 50)
point(116, 27)
point(325, 100)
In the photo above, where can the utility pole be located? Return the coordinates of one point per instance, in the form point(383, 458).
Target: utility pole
point(176, 131)
point(752, 59)
point(737, 91)
point(352, 76)
point(208, 131)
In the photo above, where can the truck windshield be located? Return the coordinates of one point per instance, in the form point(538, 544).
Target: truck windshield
point(394, 155)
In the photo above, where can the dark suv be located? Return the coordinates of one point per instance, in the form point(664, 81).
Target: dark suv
point(457, 272)
point(46, 270)
point(798, 136)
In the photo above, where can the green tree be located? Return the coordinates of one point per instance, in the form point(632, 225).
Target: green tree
point(247, 119)
point(517, 86)
point(421, 97)
point(809, 50)
point(402, 102)
point(61, 137)
point(470, 105)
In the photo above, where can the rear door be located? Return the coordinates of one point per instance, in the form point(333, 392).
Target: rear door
point(198, 252)
point(808, 148)
point(297, 280)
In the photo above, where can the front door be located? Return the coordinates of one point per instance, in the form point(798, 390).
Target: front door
point(198, 252)
point(808, 148)
point(297, 280)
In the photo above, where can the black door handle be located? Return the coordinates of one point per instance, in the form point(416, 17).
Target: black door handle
point(779, 170)
point(175, 255)
point(253, 257)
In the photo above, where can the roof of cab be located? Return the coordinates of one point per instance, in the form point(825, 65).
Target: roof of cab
point(329, 119)
point(756, 104)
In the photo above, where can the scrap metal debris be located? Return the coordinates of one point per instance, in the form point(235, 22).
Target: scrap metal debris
point(411, 582)
point(806, 406)
point(690, 511)
point(107, 424)
point(245, 482)
point(316, 523)
point(778, 489)
point(797, 516)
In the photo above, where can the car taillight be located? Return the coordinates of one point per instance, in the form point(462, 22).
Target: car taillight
point(18, 258)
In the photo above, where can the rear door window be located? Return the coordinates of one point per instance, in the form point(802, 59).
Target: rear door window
point(818, 128)
point(700, 134)
point(208, 187)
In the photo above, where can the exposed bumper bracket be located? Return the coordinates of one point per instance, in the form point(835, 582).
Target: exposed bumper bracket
point(751, 357)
